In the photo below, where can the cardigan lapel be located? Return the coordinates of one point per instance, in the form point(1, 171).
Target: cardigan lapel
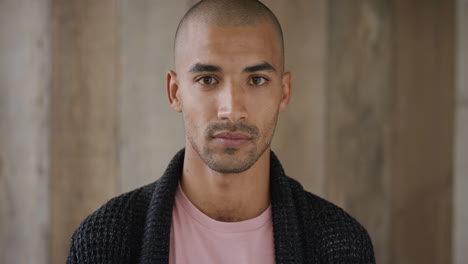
point(286, 230)
point(156, 237)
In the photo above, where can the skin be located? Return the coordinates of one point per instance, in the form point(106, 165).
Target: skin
point(230, 114)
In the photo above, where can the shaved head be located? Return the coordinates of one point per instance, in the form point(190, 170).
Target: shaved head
point(229, 83)
point(228, 13)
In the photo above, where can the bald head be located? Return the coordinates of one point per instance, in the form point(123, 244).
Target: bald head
point(228, 13)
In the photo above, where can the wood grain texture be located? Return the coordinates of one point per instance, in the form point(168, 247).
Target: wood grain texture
point(422, 131)
point(150, 131)
point(299, 139)
point(460, 230)
point(83, 115)
point(358, 90)
point(24, 165)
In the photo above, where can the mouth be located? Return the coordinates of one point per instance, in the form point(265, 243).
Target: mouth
point(231, 139)
point(231, 135)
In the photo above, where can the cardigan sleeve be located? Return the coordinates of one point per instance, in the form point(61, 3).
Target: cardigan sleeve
point(95, 242)
point(111, 234)
point(338, 237)
point(72, 254)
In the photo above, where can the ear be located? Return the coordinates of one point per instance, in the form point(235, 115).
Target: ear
point(172, 88)
point(286, 91)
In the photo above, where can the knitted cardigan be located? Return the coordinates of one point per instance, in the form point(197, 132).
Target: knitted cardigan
point(135, 227)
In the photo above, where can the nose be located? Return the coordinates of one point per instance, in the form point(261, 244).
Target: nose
point(231, 105)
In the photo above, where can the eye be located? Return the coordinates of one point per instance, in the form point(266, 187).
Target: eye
point(257, 80)
point(207, 80)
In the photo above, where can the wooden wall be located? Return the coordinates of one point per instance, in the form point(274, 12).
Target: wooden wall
point(84, 117)
point(422, 131)
point(460, 239)
point(83, 136)
point(149, 131)
point(390, 123)
point(304, 24)
point(359, 85)
point(24, 128)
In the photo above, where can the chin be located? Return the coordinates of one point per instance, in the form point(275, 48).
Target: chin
point(228, 160)
point(229, 166)
point(231, 160)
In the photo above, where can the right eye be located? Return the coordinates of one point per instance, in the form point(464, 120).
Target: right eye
point(207, 80)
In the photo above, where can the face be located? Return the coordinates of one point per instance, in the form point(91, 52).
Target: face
point(230, 87)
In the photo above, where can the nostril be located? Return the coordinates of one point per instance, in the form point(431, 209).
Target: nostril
point(232, 116)
point(232, 105)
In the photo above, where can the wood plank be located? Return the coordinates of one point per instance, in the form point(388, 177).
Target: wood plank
point(460, 230)
point(359, 86)
point(300, 135)
point(24, 164)
point(150, 131)
point(422, 131)
point(83, 115)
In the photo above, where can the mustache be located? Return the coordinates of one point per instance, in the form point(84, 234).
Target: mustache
point(213, 128)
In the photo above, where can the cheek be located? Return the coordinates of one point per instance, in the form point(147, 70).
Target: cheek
point(263, 113)
point(264, 103)
point(197, 108)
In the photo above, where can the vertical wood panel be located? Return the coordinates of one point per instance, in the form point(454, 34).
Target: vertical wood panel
point(359, 59)
point(460, 231)
point(299, 139)
point(24, 89)
point(83, 125)
point(150, 131)
point(422, 131)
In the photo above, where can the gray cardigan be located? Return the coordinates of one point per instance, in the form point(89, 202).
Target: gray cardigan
point(135, 227)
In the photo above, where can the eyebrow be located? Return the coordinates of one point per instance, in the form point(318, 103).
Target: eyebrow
point(204, 68)
point(260, 67)
point(199, 67)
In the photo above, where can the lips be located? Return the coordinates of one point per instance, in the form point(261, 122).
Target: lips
point(231, 139)
point(231, 135)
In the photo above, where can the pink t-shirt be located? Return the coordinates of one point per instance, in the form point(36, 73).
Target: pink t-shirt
point(197, 238)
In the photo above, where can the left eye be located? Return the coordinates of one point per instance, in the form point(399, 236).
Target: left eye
point(257, 80)
point(207, 80)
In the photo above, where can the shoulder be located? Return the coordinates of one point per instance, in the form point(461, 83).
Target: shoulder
point(108, 234)
point(339, 238)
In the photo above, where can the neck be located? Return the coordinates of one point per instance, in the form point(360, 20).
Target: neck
point(228, 197)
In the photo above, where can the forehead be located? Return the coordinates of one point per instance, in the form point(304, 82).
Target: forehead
point(228, 45)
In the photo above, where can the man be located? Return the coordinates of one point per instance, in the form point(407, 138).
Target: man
point(225, 197)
